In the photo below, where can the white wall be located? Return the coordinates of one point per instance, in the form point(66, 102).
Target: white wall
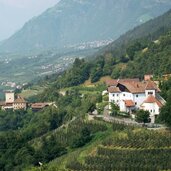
point(139, 100)
point(126, 96)
point(9, 97)
point(114, 98)
point(153, 108)
point(17, 106)
point(122, 106)
point(118, 98)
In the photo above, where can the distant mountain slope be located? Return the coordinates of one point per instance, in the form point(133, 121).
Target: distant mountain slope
point(75, 21)
point(150, 30)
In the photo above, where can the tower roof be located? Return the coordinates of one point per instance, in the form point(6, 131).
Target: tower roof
point(20, 100)
point(151, 86)
point(9, 91)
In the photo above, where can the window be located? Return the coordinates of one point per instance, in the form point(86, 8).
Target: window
point(150, 92)
point(151, 110)
point(113, 95)
point(135, 103)
point(137, 95)
point(123, 94)
point(117, 94)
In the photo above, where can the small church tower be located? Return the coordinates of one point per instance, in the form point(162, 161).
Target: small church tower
point(9, 97)
point(150, 89)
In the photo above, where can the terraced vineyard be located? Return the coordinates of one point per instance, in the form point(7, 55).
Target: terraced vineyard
point(67, 135)
point(129, 149)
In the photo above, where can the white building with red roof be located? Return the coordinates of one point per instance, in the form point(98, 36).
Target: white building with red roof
point(153, 105)
point(133, 94)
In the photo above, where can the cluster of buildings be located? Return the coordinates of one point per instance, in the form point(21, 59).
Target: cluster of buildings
point(131, 95)
point(13, 84)
point(18, 103)
point(12, 102)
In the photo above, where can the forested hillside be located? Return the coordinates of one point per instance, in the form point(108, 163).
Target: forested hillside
point(148, 59)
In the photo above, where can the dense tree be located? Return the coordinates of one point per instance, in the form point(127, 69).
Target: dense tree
point(132, 49)
point(96, 74)
point(165, 114)
point(165, 87)
point(114, 109)
point(142, 116)
point(85, 137)
point(50, 149)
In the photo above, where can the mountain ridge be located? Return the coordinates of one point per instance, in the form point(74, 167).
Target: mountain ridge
point(157, 26)
point(69, 23)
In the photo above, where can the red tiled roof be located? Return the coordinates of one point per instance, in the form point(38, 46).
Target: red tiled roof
point(152, 99)
point(8, 104)
point(140, 87)
point(39, 105)
point(111, 83)
point(129, 103)
point(135, 87)
point(151, 86)
point(115, 82)
point(114, 90)
point(129, 80)
point(9, 91)
point(2, 103)
point(19, 100)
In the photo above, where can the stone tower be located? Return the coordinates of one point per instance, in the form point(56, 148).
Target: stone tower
point(9, 97)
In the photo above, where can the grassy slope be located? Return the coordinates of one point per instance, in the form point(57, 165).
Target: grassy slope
point(33, 91)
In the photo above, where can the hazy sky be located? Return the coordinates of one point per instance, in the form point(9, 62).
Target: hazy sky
point(14, 13)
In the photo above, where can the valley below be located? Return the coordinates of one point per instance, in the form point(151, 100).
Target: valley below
point(21, 70)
